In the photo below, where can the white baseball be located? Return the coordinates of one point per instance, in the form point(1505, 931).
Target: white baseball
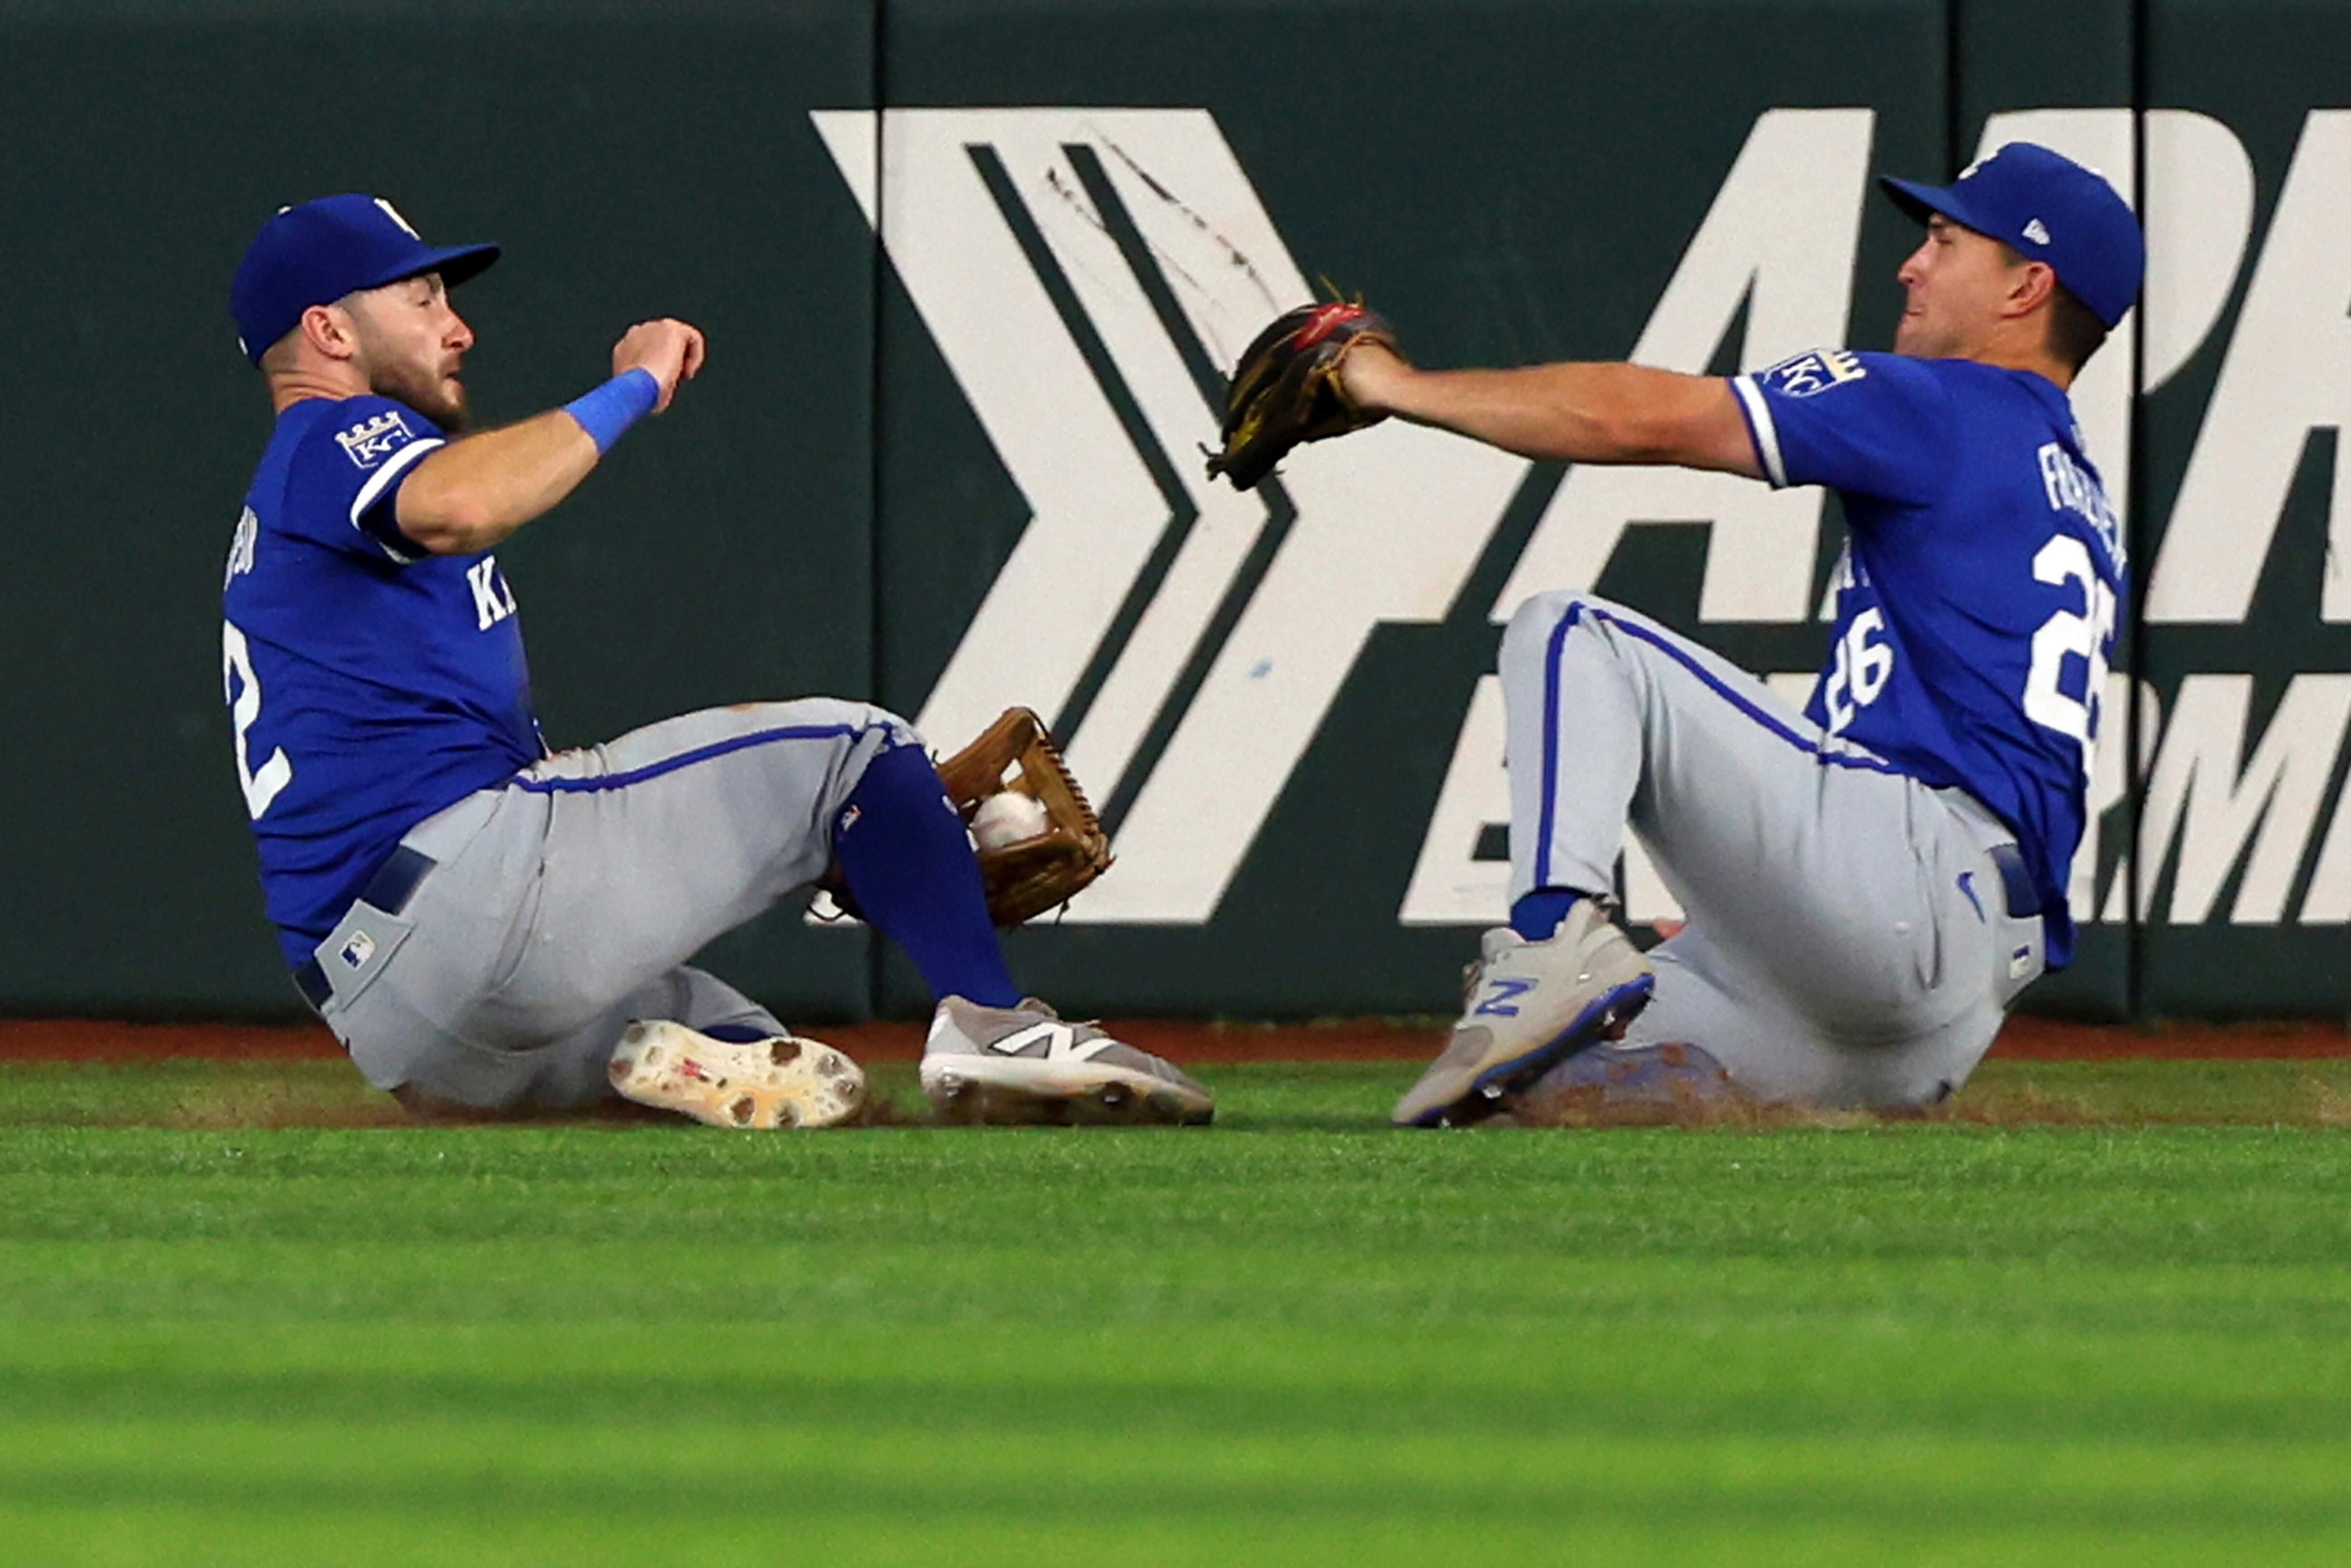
point(1007, 819)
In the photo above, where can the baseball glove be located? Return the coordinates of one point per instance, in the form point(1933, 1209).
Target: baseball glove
point(1060, 845)
point(1286, 389)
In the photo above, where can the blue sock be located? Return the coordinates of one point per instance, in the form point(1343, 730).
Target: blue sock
point(1536, 917)
point(908, 862)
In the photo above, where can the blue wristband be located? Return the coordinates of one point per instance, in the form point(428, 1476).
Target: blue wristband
point(607, 413)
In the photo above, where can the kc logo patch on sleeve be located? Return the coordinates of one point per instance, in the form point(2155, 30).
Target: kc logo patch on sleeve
point(372, 441)
point(1808, 375)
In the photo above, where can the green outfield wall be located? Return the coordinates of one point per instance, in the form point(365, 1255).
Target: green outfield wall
point(958, 466)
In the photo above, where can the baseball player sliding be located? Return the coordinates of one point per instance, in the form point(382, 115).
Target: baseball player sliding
point(1870, 883)
point(487, 924)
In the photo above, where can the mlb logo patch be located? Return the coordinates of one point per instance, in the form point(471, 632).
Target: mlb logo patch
point(372, 441)
point(358, 950)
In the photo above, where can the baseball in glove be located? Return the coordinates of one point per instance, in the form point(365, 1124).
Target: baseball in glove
point(1286, 389)
point(1039, 843)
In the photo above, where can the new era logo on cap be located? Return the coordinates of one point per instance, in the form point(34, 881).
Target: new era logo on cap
point(2036, 232)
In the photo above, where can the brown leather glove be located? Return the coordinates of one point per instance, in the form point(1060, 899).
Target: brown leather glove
point(1286, 389)
point(1043, 868)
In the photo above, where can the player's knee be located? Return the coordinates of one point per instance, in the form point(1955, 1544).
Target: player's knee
point(1539, 617)
point(897, 731)
point(901, 728)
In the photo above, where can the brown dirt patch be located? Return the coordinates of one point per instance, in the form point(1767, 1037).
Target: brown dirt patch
point(1184, 1041)
point(92, 1040)
point(2052, 1039)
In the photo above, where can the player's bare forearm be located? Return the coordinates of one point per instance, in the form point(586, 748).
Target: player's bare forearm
point(474, 492)
point(1575, 413)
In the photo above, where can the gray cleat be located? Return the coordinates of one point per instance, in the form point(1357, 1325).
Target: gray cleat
point(1026, 1064)
point(1531, 1005)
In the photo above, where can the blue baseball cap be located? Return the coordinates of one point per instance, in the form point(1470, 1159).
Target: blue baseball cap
point(2047, 208)
point(316, 253)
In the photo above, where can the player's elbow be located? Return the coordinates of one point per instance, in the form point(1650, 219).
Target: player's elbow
point(1629, 435)
point(454, 524)
point(1643, 441)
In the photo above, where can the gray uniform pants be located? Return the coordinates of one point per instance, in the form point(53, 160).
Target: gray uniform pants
point(563, 905)
point(1849, 939)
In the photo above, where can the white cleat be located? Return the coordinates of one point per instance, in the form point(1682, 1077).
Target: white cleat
point(785, 1081)
point(1025, 1065)
point(1531, 1005)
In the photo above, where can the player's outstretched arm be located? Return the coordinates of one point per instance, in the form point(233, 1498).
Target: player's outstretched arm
point(474, 492)
point(1575, 413)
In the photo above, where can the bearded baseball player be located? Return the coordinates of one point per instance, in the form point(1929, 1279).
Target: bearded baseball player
point(487, 924)
point(1871, 882)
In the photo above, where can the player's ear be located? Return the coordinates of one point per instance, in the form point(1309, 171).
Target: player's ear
point(2030, 286)
point(331, 329)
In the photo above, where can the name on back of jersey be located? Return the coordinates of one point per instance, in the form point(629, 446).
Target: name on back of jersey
point(241, 547)
point(1847, 573)
point(2074, 488)
point(1809, 374)
point(372, 441)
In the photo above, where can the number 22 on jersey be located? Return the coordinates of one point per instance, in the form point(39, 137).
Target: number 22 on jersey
point(241, 688)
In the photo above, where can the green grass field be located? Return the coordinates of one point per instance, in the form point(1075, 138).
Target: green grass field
point(2118, 1330)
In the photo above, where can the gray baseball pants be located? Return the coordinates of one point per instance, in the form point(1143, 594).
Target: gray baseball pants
point(1850, 941)
point(558, 908)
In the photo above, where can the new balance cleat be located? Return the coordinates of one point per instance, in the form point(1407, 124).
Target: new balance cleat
point(1531, 1005)
point(785, 1081)
point(1026, 1064)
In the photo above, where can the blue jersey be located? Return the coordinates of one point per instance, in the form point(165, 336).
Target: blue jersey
point(370, 683)
point(1976, 599)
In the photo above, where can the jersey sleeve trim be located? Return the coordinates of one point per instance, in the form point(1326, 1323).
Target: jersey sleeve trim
point(378, 483)
point(1757, 411)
